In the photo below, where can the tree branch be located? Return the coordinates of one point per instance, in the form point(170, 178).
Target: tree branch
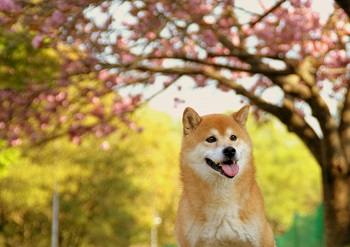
point(180, 70)
point(252, 24)
point(289, 82)
point(266, 71)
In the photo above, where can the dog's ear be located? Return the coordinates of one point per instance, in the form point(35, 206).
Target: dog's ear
point(242, 115)
point(190, 120)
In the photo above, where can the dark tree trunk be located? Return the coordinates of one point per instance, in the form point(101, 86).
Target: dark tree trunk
point(336, 210)
point(336, 200)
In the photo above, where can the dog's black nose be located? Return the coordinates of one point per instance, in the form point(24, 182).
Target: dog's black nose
point(229, 152)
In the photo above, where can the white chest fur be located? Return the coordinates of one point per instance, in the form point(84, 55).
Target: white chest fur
point(223, 227)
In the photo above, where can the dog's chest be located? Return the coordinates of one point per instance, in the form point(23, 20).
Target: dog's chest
point(223, 227)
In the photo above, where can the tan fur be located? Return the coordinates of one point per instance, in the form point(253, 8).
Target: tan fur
point(215, 210)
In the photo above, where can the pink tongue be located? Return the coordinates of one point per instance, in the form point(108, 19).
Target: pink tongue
point(230, 170)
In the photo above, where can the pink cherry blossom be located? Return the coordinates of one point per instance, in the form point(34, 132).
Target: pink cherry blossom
point(97, 57)
point(37, 42)
point(56, 19)
point(9, 6)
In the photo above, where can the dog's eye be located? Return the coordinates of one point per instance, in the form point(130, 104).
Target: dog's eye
point(233, 137)
point(211, 139)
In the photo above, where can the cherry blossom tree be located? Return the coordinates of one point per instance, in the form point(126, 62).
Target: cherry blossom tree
point(101, 47)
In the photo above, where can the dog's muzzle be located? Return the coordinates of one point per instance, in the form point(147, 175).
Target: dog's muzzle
point(228, 167)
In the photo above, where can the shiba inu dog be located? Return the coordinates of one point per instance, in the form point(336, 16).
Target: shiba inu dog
point(221, 203)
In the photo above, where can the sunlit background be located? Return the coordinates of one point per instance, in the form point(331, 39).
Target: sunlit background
point(116, 183)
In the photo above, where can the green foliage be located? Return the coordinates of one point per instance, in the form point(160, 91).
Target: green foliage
point(8, 155)
point(21, 64)
point(25, 205)
point(107, 198)
point(289, 176)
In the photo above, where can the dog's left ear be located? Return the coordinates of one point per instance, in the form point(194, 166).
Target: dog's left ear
point(190, 120)
point(242, 115)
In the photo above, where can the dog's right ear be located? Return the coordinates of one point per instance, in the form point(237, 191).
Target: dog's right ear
point(190, 120)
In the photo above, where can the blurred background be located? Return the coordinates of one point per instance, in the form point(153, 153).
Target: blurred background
point(91, 99)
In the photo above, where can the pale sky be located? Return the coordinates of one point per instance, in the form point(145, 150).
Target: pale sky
point(204, 100)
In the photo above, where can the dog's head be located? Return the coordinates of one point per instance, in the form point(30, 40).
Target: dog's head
point(216, 144)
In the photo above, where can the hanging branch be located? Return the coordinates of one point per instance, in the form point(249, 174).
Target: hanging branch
point(252, 24)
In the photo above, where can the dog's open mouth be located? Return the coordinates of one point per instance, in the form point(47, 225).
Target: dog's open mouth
point(228, 168)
